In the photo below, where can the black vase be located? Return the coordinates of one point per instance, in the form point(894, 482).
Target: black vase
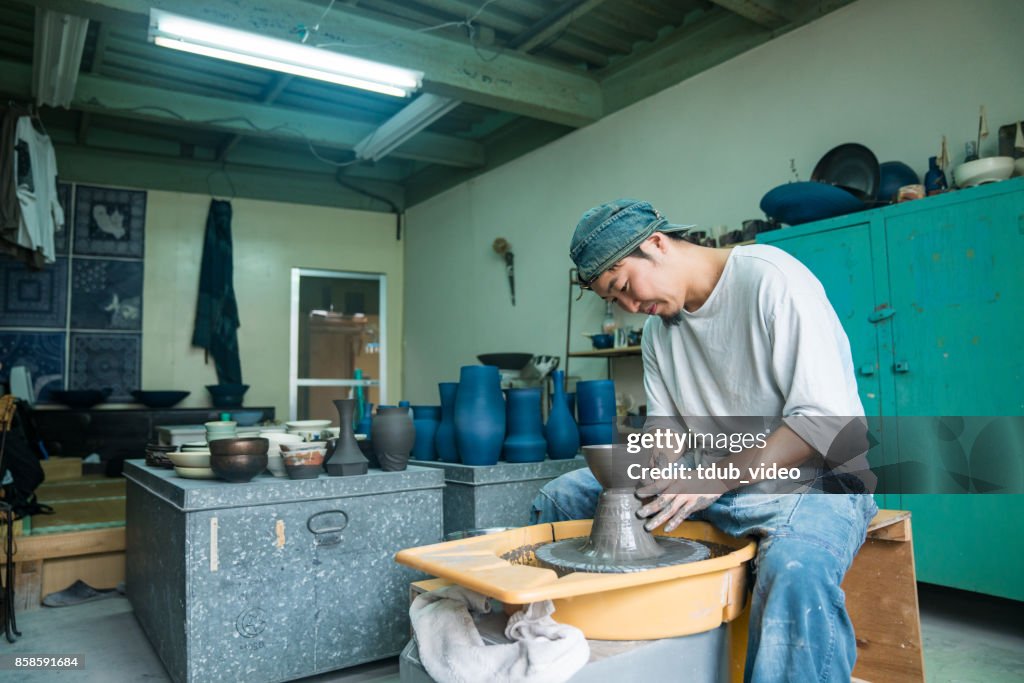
point(393, 437)
point(347, 458)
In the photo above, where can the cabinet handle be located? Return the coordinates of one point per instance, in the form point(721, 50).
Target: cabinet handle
point(330, 532)
point(867, 369)
point(901, 367)
point(881, 314)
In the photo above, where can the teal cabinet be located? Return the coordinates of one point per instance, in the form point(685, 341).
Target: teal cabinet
point(931, 295)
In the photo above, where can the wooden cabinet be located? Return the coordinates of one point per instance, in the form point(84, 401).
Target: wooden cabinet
point(931, 296)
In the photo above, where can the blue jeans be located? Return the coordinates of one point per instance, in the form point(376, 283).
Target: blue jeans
point(799, 628)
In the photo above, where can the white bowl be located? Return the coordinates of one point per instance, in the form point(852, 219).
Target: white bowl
point(1018, 167)
point(190, 459)
point(981, 171)
point(195, 472)
point(221, 423)
point(275, 465)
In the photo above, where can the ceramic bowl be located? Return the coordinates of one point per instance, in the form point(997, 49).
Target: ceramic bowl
point(227, 395)
point(238, 468)
point(276, 439)
point(247, 418)
point(195, 446)
point(250, 445)
point(1018, 167)
point(195, 472)
point(220, 423)
point(304, 458)
point(190, 459)
point(303, 471)
point(305, 447)
point(275, 464)
point(981, 171)
point(273, 429)
point(160, 399)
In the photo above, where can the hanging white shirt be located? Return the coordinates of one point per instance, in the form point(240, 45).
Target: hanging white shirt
point(35, 168)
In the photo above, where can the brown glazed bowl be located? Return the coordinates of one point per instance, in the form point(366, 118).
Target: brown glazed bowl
point(238, 468)
point(253, 445)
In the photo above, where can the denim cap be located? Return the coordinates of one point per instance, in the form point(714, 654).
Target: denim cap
point(608, 233)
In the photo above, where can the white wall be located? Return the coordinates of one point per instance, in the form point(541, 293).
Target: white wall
point(894, 76)
point(269, 239)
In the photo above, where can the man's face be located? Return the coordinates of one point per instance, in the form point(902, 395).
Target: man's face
point(642, 285)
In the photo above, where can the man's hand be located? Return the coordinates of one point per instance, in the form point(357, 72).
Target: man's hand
point(672, 508)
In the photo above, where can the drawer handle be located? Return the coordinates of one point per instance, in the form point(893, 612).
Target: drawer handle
point(330, 532)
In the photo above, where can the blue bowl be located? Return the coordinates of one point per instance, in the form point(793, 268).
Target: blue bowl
point(227, 395)
point(602, 341)
point(160, 399)
point(803, 202)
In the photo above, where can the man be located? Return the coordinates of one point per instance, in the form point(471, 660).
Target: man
point(736, 337)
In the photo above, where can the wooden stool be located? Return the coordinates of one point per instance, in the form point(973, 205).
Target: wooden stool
point(881, 598)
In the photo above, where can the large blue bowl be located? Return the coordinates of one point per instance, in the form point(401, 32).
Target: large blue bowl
point(160, 399)
point(803, 202)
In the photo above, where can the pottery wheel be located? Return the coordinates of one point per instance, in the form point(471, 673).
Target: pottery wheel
point(565, 556)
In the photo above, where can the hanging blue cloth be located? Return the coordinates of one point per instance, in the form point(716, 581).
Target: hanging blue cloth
point(216, 326)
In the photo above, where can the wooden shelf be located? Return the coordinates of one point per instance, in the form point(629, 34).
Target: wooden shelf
point(607, 353)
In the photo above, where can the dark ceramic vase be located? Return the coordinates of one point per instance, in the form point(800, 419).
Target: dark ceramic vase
point(525, 441)
point(444, 439)
point(346, 459)
point(595, 401)
point(393, 437)
point(479, 415)
point(570, 402)
point(560, 432)
point(425, 420)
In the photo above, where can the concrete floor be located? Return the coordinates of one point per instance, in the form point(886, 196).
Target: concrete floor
point(968, 638)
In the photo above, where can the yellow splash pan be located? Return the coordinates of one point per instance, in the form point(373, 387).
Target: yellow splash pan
point(656, 603)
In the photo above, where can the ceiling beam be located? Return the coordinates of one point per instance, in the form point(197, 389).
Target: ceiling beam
point(277, 85)
point(116, 98)
point(550, 26)
point(453, 68)
point(766, 13)
point(99, 52)
point(79, 163)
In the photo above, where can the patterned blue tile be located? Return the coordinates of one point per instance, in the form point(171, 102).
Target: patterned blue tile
point(106, 294)
point(41, 352)
point(106, 360)
point(33, 298)
point(109, 222)
point(60, 238)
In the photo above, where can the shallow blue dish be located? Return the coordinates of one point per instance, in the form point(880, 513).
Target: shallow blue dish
point(803, 202)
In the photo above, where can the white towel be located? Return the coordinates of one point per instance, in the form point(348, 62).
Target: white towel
point(452, 651)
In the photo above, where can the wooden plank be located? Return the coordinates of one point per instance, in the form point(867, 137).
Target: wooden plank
point(881, 597)
point(28, 585)
point(608, 353)
point(61, 469)
point(762, 12)
point(453, 68)
point(102, 570)
point(32, 548)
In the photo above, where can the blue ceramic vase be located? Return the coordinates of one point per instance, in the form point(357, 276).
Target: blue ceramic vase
point(525, 441)
point(595, 401)
point(366, 421)
point(444, 438)
point(560, 432)
point(479, 415)
point(425, 420)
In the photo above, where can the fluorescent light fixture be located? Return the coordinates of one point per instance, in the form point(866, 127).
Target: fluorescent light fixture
point(419, 114)
point(57, 56)
point(220, 42)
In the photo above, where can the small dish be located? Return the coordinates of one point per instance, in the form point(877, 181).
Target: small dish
point(220, 424)
point(308, 425)
point(195, 473)
point(191, 459)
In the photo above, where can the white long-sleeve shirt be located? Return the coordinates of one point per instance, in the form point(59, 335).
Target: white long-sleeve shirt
point(766, 345)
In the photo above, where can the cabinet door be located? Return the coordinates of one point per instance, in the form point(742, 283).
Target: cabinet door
point(957, 337)
point(841, 258)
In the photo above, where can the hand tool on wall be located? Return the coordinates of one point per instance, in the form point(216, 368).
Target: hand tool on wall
point(503, 248)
